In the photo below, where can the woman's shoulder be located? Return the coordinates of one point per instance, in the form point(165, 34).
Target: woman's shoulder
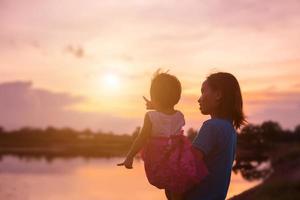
point(216, 122)
point(218, 125)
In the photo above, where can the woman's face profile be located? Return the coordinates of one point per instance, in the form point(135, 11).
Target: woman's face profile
point(208, 100)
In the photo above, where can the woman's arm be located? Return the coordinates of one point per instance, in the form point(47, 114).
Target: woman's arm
point(138, 143)
point(198, 153)
point(206, 140)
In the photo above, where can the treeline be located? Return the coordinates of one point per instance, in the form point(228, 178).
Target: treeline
point(265, 133)
point(65, 142)
point(266, 143)
point(254, 142)
point(263, 147)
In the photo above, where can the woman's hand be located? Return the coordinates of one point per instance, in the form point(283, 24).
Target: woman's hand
point(149, 105)
point(127, 163)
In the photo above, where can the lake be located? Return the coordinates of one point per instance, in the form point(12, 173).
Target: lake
point(83, 179)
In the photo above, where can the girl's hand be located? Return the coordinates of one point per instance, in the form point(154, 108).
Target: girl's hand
point(149, 105)
point(127, 163)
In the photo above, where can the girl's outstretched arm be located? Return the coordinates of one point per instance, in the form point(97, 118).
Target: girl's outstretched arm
point(138, 143)
point(149, 104)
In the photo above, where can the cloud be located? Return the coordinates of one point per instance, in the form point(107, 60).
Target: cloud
point(279, 106)
point(126, 57)
point(296, 86)
point(239, 36)
point(159, 30)
point(76, 51)
point(22, 105)
point(287, 115)
point(35, 44)
point(253, 14)
point(13, 42)
point(272, 97)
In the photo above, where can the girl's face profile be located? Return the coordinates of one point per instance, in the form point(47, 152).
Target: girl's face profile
point(209, 99)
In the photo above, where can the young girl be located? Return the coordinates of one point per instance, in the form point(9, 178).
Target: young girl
point(169, 159)
point(221, 98)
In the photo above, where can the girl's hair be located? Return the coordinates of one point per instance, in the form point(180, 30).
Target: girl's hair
point(231, 103)
point(165, 89)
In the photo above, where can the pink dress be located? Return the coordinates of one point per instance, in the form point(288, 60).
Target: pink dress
point(169, 160)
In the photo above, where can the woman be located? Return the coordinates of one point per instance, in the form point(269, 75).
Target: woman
point(216, 141)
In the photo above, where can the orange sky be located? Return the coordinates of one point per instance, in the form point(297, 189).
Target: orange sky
point(55, 57)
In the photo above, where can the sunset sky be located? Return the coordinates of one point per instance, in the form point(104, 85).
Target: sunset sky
point(87, 64)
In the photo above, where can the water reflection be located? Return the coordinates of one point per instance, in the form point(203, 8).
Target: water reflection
point(82, 178)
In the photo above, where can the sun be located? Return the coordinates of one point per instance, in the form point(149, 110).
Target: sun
point(111, 81)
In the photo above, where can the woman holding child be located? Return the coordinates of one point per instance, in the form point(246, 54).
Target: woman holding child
point(199, 170)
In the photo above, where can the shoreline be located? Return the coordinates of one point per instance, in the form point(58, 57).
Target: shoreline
point(284, 182)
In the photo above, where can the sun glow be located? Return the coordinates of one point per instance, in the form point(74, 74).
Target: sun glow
point(111, 81)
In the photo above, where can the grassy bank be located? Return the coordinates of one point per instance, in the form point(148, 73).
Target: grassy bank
point(284, 182)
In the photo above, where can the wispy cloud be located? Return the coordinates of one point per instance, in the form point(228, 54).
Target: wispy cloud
point(77, 51)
